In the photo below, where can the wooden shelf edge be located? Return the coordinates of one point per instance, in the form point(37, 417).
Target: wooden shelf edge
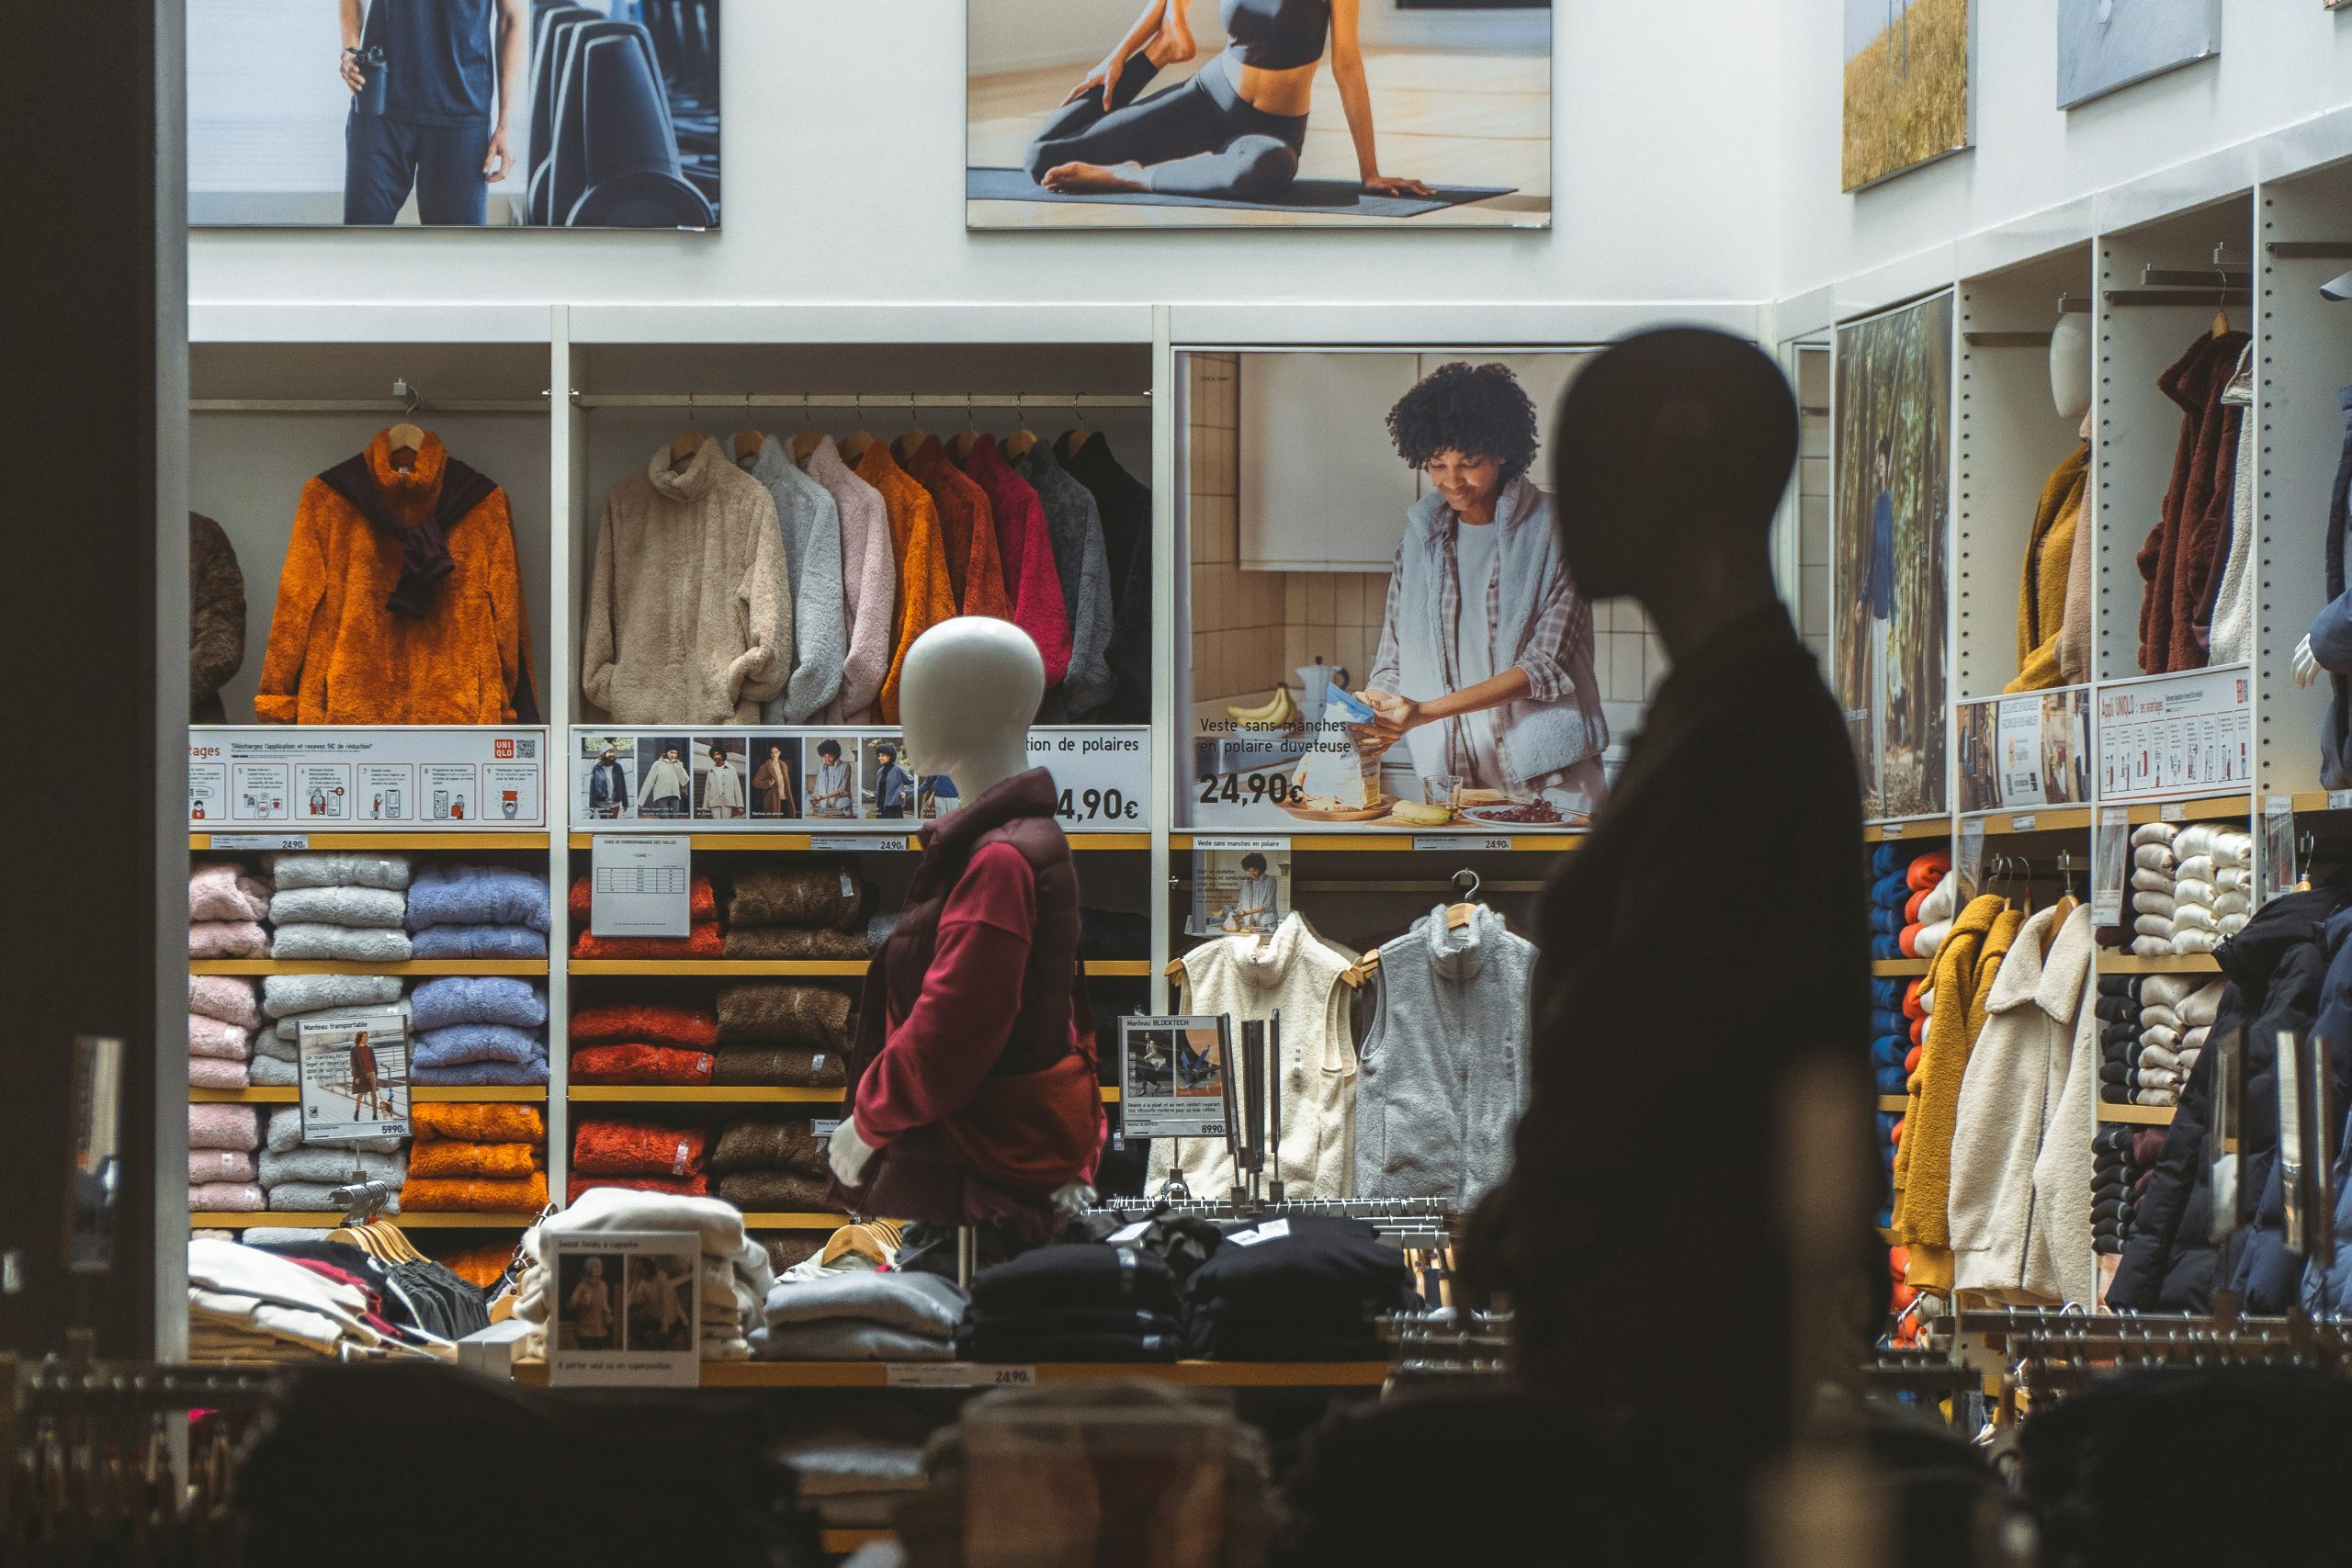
point(883, 844)
point(419, 967)
point(722, 1094)
point(2194, 808)
point(287, 1219)
point(2041, 819)
point(2137, 1115)
point(419, 1094)
point(1394, 840)
point(875, 1374)
point(796, 968)
point(1900, 968)
point(2179, 963)
point(1894, 1102)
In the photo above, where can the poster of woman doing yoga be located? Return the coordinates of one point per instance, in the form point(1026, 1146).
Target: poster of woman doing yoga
point(1205, 114)
point(1891, 453)
point(1383, 635)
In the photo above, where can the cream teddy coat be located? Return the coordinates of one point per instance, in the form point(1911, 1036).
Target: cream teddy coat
point(2020, 1197)
point(689, 605)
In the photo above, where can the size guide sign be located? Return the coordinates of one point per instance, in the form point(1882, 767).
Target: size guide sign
point(2189, 734)
point(640, 884)
point(455, 778)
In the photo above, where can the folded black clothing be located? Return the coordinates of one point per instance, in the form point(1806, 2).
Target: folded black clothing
point(2114, 1094)
point(2116, 1073)
point(1077, 1273)
point(2118, 1010)
point(1340, 1315)
point(2118, 984)
point(2107, 1209)
point(2106, 1245)
point(1039, 1322)
point(1302, 1259)
point(1114, 933)
point(982, 1342)
point(1284, 1344)
point(2118, 1036)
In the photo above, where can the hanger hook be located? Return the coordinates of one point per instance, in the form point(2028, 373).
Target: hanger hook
point(410, 399)
point(1467, 874)
point(972, 420)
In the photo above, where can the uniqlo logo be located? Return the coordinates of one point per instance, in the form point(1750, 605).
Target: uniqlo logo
point(503, 749)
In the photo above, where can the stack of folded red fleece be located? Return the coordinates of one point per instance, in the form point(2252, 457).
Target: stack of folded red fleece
point(488, 1158)
point(644, 1156)
point(642, 1043)
point(702, 940)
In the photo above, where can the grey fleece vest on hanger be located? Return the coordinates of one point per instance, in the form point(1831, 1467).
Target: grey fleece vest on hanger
point(1443, 1073)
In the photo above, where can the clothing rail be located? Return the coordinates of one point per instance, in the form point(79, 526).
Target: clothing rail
point(1048, 401)
point(1422, 1210)
point(538, 405)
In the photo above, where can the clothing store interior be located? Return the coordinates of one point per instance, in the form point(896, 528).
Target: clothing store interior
point(1612, 826)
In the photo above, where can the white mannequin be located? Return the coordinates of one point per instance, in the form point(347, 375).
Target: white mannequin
point(2069, 363)
point(966, 698)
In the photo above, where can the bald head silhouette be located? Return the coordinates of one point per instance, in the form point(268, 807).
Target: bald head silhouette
point(1672, 451)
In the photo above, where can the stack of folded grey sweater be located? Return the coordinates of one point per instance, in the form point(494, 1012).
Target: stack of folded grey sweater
point(287, 1000)
point(301, 1177)
point(860, 1314)
point(340, 906)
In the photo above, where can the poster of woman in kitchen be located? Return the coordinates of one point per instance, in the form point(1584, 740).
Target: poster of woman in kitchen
point(1476, 685)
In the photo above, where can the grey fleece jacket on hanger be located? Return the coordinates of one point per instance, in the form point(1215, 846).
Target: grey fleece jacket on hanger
point(1443, 1073)
point(1075, 525)
point(813, 562)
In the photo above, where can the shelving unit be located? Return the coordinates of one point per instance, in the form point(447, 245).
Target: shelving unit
point(1901, 968)
point(415, 966)
point(421, 1094)
point(327, 1219)
point(454, 839)
point(790, 968)
point(882, 843)
point(2179, 963)
point(2138, 1116)
point(877, 1374)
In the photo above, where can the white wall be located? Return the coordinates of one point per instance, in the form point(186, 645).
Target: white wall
point(2281, 61)
point(844, 182)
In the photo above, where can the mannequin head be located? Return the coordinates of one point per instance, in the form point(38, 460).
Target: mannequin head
point(2069, 363)
point(970, 688)
point(1672, 452)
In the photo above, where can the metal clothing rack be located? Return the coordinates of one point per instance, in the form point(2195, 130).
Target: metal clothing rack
point(882, 401)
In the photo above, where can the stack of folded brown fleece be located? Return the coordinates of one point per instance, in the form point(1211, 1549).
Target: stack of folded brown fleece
point(781, 1032)
point(778, 1166)
point(807, 909)
point(488, 1158)
point(644, 1157)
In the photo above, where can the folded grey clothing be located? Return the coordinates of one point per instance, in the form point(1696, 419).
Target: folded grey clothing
point(327, 1163)
point(283, 995)
point(285, 1235)
point(338, 907)
point(333, 869)
point(307, 1197)
point(288, 1031)
point(838, 1464)
point(355, 944)
point(920, 1304)
point(846, 1339)
point(271, 1072)
point(284, 1135)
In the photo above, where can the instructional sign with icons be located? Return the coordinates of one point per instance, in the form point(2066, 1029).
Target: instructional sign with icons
point(2189, 734)
point(357, 779)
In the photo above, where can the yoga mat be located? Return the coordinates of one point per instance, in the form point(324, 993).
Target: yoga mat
point(1343, 197)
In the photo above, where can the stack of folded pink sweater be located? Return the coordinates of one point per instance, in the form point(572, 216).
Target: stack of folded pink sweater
point(223, 1171)
point(222, 1015)
point(226, 905)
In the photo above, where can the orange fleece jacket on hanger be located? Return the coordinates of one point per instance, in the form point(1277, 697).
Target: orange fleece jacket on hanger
point(965, 521)
point(400, 601)
point(2047, 598)
point(926, 597)
point(1923, 1162)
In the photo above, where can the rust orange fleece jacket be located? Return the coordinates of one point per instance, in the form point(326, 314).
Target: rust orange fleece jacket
point(400, 601)
point(926, 597)
point(1923, 1163)
point(965, 521)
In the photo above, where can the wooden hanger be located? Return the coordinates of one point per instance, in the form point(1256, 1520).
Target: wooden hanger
point(1460, 914)
point(1017, 445)
point(684, 445)
point(405, 441)
point(806, 443)
point(965, 439)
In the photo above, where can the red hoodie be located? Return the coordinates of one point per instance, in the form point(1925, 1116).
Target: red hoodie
point(1025, 551)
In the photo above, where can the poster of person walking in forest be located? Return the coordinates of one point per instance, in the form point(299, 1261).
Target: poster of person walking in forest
point(1892, 457)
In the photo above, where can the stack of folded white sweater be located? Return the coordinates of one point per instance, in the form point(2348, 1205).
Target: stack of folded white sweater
point(2174, 1013)
point(301, 1177)
point(1936, 912)
point(735, 1273)
point(2153, 864)
point(349, 907)
point(222, 1017)
point(2213, 886)
point(287, 1000)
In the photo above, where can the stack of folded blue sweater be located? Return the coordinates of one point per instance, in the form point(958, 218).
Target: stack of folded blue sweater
point(478, 911)
point(479, 1029)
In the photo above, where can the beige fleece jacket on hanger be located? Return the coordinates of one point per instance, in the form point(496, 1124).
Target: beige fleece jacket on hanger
point(2030, 1087)
point(689, 607)
point(1298, 974)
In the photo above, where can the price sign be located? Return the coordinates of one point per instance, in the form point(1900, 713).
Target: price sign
point(956, 1374)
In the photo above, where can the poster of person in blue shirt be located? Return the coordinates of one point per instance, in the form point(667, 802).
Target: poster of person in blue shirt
point(453, 113)
point(1891, 456)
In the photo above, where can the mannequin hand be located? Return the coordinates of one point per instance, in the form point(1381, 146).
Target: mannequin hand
point(848, 1153)
point(2306, 664)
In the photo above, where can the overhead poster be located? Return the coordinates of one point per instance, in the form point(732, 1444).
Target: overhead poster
point(1909, 85)
point(2104, 45)
point(457, 113)
point(1892, 462)
point(1297, 114)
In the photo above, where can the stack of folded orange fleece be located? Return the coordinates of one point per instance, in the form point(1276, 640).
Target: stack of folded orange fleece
point(476, 1159)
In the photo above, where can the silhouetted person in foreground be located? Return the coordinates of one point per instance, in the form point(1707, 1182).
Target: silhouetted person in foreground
point(1708, 939)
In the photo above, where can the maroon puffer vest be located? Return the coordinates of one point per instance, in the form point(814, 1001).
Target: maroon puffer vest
point(929, 1174)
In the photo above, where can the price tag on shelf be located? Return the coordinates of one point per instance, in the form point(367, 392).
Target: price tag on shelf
point(956, 1374)
point(1459, 842)
point(1968, 861)
point(2339, 800)
point(852, 843)
point(640, 884)
point(2173, 811)
point(1892, 830)
point(825, 1127)
point(261, 840)
point(2023, 822)
point(2110, 865)
point(1263, 845)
